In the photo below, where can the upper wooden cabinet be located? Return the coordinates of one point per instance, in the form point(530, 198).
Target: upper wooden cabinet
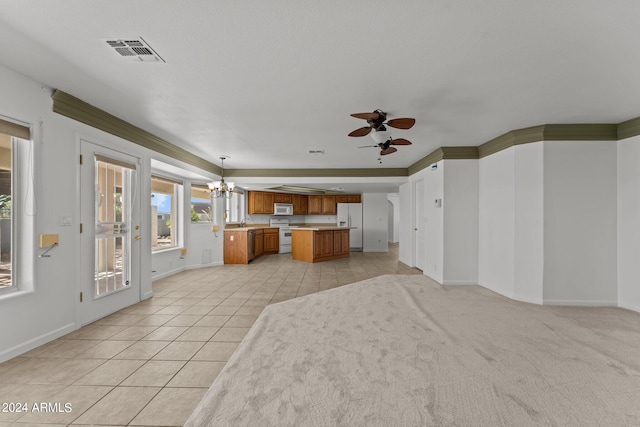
point(260, 202)
point(315, 205)
point(328, 205)
point(300, 204)
point(282, 198)
point(348, 198)
point(267, 203)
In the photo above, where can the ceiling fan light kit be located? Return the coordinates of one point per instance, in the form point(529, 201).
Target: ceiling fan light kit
point(377, 121)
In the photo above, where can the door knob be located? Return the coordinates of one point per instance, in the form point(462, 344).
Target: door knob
point(138, 237)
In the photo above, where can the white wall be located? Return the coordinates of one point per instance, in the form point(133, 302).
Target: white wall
point(405, 246)
point(496, 233)
point(548, 222)
point(580, 222)
point(434, 252)
point(528, 223)
point(374, 222)
point(29, 319)
point(460, 222)
point(394, 217)
point(629, 223)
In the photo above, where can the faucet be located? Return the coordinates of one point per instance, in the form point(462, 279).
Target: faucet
point(243, 222)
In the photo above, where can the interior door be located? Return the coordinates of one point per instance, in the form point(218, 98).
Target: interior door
point(110, 232)
point(419, 226)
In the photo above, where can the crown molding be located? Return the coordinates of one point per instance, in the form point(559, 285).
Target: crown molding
point(629, 128)
point(76, 109)
point(321, 173)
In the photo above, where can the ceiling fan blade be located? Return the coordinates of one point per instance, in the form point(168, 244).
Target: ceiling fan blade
point(403, 123)
point(366, 116)
point(388, 151)
point(361, 132)
point(400, 141)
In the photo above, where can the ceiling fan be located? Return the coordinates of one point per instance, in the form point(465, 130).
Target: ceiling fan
point(377, 121)
point(386, 146)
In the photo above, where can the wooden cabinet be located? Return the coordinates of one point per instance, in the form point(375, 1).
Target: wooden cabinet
point(255, 202)
point(242, 246)
point(260, 202)
point(315, 205)
point(349, 198)
point(271, 241)
point(236, 247)
point(341, 242)
point(319, 245)
point(300, 204)
point(267, 203)
point(322, 205)
point(322, 244)
point(258, 245)
point(328, 205)
point(282, 197)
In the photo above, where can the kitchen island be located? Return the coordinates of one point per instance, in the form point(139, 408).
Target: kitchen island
point(317, 244)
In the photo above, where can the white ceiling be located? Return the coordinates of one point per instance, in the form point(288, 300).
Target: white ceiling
point(264, 81)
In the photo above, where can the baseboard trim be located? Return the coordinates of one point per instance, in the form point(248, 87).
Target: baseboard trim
point(185, 268)
point(632, 307)
point(197, 266)
point(497, 291)
point(168, 273)
point(581, 303)
point(459, 282)
point(530, 300)
point(36, 342)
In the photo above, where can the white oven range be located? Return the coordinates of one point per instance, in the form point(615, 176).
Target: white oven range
point(284, 235)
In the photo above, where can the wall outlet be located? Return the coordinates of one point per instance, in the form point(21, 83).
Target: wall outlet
point(47, 240)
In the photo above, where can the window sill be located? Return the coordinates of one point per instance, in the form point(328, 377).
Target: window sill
point(14, 293)
point(164, 250)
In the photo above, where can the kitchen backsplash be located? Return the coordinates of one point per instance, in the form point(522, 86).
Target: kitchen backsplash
point(294, 219)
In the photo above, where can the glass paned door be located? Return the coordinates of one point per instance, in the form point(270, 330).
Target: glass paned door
point(110, 232)
point(113, 225)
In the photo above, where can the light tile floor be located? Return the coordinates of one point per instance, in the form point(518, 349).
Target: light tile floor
point(151, 363)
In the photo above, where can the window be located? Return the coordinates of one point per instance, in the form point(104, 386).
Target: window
point(234, 207)
point(15, 178)
point(200, 203)
point(165, 218)
point(6, 213)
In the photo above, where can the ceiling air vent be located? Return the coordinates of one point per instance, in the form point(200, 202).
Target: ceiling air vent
point(133, 49)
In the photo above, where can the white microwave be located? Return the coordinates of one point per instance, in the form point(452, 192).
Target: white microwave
point(283, 209)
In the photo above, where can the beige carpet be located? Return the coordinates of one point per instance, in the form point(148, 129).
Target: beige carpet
point(403, 351)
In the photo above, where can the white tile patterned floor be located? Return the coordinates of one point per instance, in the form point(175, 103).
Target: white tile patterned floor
point(151, 363)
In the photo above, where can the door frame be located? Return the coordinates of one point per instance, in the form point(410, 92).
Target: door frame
point(109, 150)
point(415, 223)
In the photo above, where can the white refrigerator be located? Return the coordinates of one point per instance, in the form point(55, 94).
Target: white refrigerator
point(350, 215)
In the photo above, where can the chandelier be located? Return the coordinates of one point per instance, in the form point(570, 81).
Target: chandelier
point(221, 188)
